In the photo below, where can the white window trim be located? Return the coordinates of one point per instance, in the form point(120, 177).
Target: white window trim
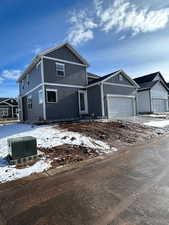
point(40, 91)
point(55, 90)
point(85, 101)
point(61, 64)
point(29, 96)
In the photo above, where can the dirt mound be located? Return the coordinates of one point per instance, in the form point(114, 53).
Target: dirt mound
point(113, 133)
point(66, 154)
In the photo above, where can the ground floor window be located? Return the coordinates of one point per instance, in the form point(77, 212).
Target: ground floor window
point(40, 96)
point(51, 95)
point(3, 112)
point(83, 105)
point(29, 102)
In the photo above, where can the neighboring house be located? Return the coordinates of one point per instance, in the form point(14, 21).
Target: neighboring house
point(8, 108)
point(56, 86)
point(153, 93)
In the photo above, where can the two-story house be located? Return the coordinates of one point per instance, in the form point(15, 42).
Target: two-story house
point(56, 86)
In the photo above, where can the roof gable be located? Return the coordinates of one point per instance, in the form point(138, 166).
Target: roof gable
point(38, 57)
point(108, 76)
point(73, 53)
point(148, 81)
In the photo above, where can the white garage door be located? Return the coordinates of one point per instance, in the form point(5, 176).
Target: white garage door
point(159, 105)
point(120, 106)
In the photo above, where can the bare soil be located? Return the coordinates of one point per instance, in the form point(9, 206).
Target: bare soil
point(113, 133)
point(67, 154)
point(116, 134)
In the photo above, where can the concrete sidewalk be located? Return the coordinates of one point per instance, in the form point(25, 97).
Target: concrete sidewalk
point(129, 187)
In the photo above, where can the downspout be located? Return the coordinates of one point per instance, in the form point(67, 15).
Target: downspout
point(150, 101)
point(43, 89)
point(102, 99)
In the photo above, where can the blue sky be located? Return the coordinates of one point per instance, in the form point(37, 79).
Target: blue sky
point(111, 34)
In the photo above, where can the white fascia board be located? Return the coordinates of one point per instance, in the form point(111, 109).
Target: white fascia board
point(64, 61)
point(31, 65)
point(119, 96)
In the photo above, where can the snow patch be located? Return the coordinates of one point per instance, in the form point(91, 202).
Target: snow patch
point(160, 123)
point(47, 136)
point(9, 173)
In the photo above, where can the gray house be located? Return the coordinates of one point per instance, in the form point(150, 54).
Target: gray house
point(8, 108)
point(152, 94)
point(56, 86)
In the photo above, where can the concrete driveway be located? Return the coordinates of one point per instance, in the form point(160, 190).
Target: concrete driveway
point(130, 187)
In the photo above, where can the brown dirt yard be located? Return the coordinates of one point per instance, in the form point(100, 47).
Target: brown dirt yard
point(116, 134)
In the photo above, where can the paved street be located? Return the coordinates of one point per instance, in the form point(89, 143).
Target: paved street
point(130, 187)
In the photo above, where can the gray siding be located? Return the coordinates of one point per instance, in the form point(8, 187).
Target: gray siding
point(74, 74)
point(143, 102)
point(116, 79)
point(36, 113)
point(65, 54)
point(94, 100)
point(34, 80)
point(67, 106)
point(116, 90)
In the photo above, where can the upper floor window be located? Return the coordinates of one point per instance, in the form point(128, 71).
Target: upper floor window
point(120, 77)
point(27, 79)
point(22, 84)
point(60, 69)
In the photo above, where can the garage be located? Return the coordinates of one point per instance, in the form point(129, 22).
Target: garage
point(159, 105)
point(120, 106)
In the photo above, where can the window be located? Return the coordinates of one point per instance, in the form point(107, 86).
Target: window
point(40, 96)
point(82, 102)
point(29, 101)
point(3, 112)
point(83, 107)
point(22, 84)
point(120, 77)
point(51, 95)
point(60, 69)
point(27, 80)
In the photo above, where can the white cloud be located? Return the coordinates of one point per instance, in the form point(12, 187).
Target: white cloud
point(117, 16)
point(81, 28)
point(122, 38)
point(10, 74)
point(36, 50)
point(1, 80)
point(124, 15)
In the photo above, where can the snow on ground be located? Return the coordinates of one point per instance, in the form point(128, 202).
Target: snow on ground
point(163, 116)
point(159, 124)
point(47, 136)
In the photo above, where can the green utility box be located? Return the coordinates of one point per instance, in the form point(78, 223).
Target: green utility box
point(22, 147)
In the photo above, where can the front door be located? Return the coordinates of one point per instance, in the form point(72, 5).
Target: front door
point(83, 106)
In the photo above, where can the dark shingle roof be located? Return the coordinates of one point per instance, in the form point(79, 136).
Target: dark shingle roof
point(146, 82)
point(147, 85)
point(103, 77)
point(12, 101)
point(146, 78)
point(93, 75)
